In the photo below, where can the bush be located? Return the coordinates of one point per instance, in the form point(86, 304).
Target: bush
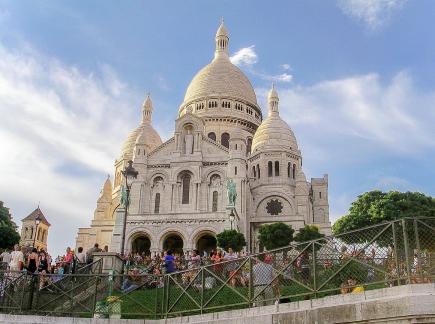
point(231, 239)
point(275, 235)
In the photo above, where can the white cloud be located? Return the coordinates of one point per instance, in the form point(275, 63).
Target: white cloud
point(373, 13)
point(60, 131)
point(360, 114)
point(284, 77)
point(286, 66)
point(245, 56)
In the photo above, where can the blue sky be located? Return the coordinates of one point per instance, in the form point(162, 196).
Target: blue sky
point(355, 78)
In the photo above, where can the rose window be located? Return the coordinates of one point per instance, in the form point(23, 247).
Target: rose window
point(274, 207)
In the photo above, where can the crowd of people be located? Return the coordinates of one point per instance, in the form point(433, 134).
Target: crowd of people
point(30, 260)
point(266, 271)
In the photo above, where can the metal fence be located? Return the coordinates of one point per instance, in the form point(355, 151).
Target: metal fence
point(394, 253)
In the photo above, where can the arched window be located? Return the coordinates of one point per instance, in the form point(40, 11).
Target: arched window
point(276, 168)
point(235, 170)
point(214, 206)
point(212, 136)
point(254, 173)
point(289, 169)
point(294, 171)
point(320, 195)
point(186, 188)
point(258, 171)
point(225, 140)
point(269, 169)
point(157, 203)
point(248, 145)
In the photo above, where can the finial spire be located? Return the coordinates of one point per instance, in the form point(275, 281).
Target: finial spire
point(147, 109)
point(273, 100)
point(221, 40)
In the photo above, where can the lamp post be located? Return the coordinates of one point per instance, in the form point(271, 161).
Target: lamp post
point(37, 221)
point(232, 218)
point(129, 174)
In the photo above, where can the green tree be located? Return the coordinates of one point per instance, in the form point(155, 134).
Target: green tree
point(376, 207)
point(231, 239)
point(276, 235)
point(308, 233)
point(8, 230)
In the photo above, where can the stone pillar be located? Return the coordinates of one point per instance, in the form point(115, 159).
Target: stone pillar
point(115, 245)
point(111, 261)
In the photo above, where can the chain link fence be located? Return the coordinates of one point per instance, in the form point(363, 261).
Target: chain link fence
point(389, 254)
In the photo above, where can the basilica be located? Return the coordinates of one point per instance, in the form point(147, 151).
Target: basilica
point(180, 197)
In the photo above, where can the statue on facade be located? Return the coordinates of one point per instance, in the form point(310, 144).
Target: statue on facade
point(124, 198)
point(231, 192)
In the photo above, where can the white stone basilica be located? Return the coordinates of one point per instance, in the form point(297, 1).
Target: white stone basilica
point(179, 199)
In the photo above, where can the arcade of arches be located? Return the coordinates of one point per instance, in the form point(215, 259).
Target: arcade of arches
point(174, 241)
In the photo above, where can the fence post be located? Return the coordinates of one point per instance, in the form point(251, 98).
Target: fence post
point(95, 294)
point(250, 284)
point(406, 244)
point(202, 289)
point(167, 296)
point(417, 243)
point(396, 260)
point(314, 269)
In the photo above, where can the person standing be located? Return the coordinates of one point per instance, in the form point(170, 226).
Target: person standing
point(90, 253)
point(32, 261)
point(81, 257)
point(262, 272)
point(169, 262)
point(231, 266)
point(43, 268)
point(17, 259)
point(6, 259)
point(68, 260)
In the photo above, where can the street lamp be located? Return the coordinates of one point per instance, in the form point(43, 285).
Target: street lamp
point(37, 221)
point(130, 174)
point(232, 218)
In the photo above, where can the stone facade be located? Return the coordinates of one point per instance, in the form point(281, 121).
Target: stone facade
point(32, 235)
point(179, 199)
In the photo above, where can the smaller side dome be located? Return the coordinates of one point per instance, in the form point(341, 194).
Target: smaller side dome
point(274, 133)
point(145, 134)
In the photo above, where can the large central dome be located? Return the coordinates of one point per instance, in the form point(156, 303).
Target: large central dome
point(221, 90)
point(220, 78)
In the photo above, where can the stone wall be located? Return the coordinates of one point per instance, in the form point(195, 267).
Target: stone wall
point(403, 304)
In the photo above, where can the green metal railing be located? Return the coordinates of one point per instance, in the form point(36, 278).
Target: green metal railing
point(394, 253)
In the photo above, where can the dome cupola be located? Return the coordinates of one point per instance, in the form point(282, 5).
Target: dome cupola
point(221, 89)
point(145, 134)
point(274, 133)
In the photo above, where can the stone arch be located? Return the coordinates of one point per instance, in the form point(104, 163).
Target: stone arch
point(201, 231)
point(157, 173)
point(173, 233)
point(215, 170)
point(204, 239)
point(194, 173)
point(137, 232)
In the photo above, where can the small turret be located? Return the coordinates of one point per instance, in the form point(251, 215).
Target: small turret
point(221, 40)
point(273, 101)
point(147, 110)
